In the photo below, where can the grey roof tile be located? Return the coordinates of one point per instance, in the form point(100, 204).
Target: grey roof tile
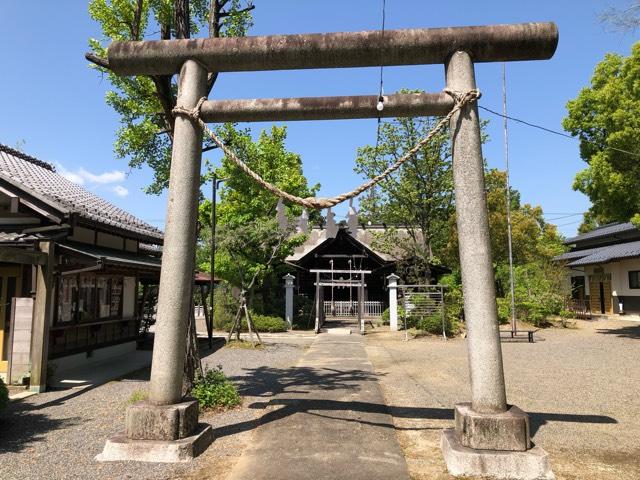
point(41, 178)
point(577, 254)
point(609, 254)
point(603, 231)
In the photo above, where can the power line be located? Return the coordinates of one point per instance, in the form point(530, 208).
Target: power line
point(555, 132)
point(563, 216)
point(569, 223)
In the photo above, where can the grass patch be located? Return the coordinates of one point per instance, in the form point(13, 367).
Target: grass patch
point(138, 396)
point(246, 344)
point(214, 391)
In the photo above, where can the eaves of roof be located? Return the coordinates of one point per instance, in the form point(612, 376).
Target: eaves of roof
point(608, 254)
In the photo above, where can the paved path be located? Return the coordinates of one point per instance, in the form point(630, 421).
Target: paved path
point(330, 422)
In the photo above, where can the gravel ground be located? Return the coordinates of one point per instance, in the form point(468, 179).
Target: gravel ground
point(580, 387)
point(56, 435)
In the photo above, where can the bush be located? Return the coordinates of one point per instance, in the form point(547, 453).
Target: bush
point(302, 312)
point(386, 317)
point(214, 390)
point(4, 396)
point(566, 314)
point(225, 308)
point(261, 323)
point(264, 323)
point(504, 310)
point(433, 324)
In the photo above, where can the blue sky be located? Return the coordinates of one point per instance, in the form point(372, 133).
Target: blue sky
point(53, 102)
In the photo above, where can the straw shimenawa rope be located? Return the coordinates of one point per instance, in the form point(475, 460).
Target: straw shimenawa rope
point(460, 98)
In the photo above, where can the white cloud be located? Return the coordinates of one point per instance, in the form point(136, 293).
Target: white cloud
point(82, 176)
point(120, 191)
point(115, 176)
point(74, 177)
point(85, 177)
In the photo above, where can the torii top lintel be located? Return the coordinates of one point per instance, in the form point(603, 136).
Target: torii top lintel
point(492, 43)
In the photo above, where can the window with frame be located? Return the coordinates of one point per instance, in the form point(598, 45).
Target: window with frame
point(90, 297)
point(634, 279)
point(67, 298)
point(87, 298)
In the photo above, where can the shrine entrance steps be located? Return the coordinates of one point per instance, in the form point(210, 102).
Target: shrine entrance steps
point(329, 421)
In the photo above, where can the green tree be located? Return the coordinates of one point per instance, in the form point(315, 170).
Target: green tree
point(144, 103)
point(533, 239)
point(539, 287)
point(418, 196)
point(246, 228)
point(606, 118)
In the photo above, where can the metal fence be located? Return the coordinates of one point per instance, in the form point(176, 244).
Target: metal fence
point(421, 301)
point(345, 308)
point(580, 308)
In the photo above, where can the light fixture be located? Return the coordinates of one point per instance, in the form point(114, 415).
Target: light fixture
point(380, 105)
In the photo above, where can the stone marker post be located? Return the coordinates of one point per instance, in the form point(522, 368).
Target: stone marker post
point(393, 302)
point(167, 419)
point(490, 437)
point(288, 297)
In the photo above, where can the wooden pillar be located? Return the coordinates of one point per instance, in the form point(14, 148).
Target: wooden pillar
point(208, 323)
point(42, 319)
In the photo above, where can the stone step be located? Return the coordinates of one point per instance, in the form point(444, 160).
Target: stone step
point(337, 331)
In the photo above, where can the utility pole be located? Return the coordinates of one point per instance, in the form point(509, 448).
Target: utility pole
point(514, 326)
point(214, 194)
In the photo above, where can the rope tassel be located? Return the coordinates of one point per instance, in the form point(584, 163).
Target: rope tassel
point(460, 99)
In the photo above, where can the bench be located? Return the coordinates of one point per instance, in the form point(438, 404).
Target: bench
point(517, 334)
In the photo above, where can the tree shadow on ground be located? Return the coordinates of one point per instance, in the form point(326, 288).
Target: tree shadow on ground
point(216, 344)
point(632, 331)
point(24, 424)
point(291, 391)
point(269, 381)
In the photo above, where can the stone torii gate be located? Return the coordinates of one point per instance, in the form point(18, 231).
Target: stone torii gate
point(491, 437)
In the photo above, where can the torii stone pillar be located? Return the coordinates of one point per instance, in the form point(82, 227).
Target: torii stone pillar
point(288, 299)
point(393, 302)
point(166, 419)
point(490, 437)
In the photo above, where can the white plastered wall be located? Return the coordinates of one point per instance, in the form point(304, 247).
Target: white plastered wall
point(620, 277)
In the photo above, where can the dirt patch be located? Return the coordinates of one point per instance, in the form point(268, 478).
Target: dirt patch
point(578, 385)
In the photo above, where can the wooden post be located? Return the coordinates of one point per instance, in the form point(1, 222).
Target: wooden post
point(209, 324)
point(42, 319)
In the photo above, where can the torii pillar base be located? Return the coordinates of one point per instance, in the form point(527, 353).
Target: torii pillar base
point(493, 445)
point(159, 433)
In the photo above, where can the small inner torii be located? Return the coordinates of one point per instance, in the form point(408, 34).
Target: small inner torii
point(326, 278)
point(490, 437)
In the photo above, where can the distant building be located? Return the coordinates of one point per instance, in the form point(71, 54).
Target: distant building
point(85, 307)
point(337, 247)
point(604, 268)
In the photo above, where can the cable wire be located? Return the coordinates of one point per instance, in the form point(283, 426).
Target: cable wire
point(555, 132)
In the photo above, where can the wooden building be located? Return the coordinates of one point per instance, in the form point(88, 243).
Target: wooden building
point(603, 267)
point(71, 269)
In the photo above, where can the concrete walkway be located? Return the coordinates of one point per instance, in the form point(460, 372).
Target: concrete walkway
point(93, 374)
point(330, 422)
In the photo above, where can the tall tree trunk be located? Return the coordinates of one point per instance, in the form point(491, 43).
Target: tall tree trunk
point(192, 364)
point(181, 18)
